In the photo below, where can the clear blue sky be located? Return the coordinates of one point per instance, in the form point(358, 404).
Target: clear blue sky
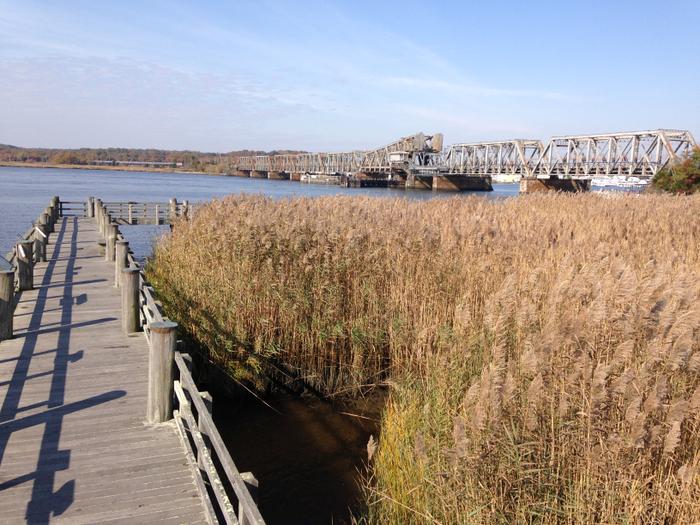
point(220, 76)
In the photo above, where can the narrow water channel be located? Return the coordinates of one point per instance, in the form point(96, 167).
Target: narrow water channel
point(308, 455)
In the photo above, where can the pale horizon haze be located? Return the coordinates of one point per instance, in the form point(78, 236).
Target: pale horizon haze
point(332, 76)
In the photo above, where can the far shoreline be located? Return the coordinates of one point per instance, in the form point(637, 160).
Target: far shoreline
point(137, 169)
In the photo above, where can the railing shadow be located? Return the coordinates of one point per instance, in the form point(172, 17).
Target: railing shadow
point(45, 500)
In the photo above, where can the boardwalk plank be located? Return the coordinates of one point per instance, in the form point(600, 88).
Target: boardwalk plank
point(74, 445)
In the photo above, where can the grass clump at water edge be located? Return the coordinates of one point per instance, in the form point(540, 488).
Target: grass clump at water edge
point(543, 352)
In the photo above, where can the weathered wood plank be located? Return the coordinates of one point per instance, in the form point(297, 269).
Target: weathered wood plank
point(74, 445)
point(250, 513)
point(209, 512)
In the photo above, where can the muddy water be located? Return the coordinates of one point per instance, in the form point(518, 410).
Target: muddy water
point(307, 454)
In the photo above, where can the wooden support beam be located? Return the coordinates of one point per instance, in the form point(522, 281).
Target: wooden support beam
point(161, 371)
point(40, 242)
point(25, 265)
point(121, 261)
point(111, 242)
point(130, 300)
point(56, 204)
point(7, 300)
point(52, 218)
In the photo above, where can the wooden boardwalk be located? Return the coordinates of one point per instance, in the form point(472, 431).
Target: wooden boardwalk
point(74, 445)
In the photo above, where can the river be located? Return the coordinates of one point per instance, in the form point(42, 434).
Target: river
point(25, 192)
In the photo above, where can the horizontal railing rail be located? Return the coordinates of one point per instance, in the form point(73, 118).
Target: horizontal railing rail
point(228, 495)
point(147, 212)
point(73, 208)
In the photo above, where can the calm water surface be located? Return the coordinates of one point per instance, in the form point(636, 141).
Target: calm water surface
point(25, 192)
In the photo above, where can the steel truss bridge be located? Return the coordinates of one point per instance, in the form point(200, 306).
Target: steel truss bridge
point(638, 153)
point(402, 155)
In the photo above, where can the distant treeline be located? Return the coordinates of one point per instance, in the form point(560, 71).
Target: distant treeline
point(187, 160)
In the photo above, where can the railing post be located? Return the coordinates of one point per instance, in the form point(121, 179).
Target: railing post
point(7, 300)
point(131, 213)
point(25, 265)
point(97, 210)
point(161, 364)
point(252, 484)
point(130, 300)
point(45, 230)
point(56, 203)
point(44, 225)
point(121, 261)
point(157, 214)
point(201, 426)
point(186, 209)
point(106, 223)
point(172, 210)
point(44, 219)
point(39, 243)
point(90, 212)
point(52, 218)
point(111, 242)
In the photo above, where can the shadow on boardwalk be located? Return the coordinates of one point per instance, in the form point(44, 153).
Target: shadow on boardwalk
point(45, 499)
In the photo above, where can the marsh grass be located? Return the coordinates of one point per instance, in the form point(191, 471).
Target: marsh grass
point(542, 352)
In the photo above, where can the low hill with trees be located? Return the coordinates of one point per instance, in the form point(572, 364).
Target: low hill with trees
point(185, 160)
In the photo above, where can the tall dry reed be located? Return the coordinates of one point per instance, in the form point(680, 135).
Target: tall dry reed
point(543, 352)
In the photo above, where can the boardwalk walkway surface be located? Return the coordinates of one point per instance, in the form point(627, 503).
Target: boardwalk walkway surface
point(74, 447)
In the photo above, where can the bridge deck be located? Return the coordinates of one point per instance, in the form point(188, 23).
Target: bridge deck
point(74, 447)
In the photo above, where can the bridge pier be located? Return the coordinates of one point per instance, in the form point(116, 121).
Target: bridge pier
point(419, 182)
point(449, 182)
point(278, 175)
point(459, 182)
point(241, 173)
point(532, 185)
point(295, 175)
point(258, 174)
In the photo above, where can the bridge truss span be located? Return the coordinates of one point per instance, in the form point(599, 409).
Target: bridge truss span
point(640, 153)
point(511, 157)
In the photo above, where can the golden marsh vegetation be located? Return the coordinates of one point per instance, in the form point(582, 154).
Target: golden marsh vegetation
point(542, 353)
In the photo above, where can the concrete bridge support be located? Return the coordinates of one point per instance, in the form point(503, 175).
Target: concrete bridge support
point(278, 175)
point(449, 182)
point(419, 182)
point(295, 175)
point(241, 173)
point(554, 184)
point(459, 182)
point(258, 174)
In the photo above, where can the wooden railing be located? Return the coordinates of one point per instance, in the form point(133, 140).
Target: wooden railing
point(17, 266)
point(127, 212)
point(10, 256)
point(147, 212)
point(47, 219)
point(228, 495)
point(72, 208)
